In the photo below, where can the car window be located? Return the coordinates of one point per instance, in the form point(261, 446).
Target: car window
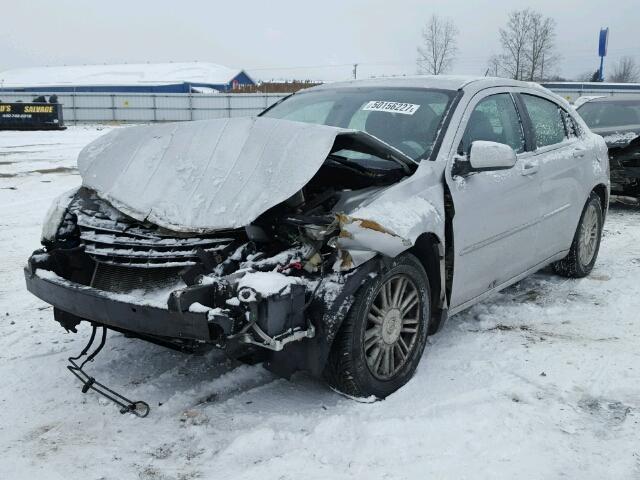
point(613, 113)
point(494, 119)
point(546, 118)
point(570, 124)
point(408, 119)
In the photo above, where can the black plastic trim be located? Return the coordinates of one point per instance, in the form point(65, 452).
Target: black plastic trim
point(90, 304)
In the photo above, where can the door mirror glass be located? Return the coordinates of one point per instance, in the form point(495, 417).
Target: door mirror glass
point(491, 156)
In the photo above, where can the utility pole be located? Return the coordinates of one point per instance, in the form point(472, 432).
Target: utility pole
point(355, 71)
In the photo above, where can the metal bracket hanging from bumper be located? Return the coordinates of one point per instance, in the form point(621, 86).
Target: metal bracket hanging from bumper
point(138, 408)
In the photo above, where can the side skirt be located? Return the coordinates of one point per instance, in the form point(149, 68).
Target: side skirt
point(508, 283)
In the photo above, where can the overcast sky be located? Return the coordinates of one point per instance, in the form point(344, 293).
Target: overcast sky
point(285, 39)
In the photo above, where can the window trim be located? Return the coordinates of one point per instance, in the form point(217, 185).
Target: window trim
point(527, 125)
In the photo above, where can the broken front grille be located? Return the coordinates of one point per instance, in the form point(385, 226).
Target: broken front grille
point(118, 279)
point(129, 248)
point(113, 238)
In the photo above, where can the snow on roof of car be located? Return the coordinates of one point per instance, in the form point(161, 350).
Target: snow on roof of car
point(123, 74)
point(444, 82)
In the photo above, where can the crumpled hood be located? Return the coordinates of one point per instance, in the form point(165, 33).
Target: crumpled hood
point(205, 175)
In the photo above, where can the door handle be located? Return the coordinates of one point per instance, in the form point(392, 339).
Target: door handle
point(530, 167)
point(578, 152)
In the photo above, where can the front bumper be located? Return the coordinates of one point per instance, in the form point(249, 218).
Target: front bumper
point(97, 306)
point(321, 312)
point(47, 277)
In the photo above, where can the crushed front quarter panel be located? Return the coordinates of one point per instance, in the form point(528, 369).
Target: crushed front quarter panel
point(391, 221)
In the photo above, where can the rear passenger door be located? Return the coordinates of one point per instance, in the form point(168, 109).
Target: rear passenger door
point(562, 157)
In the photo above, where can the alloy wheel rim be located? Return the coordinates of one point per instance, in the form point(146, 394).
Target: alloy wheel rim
point(393, 324)
point(588, 236)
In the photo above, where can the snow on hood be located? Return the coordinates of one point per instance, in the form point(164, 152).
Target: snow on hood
point(205, 175)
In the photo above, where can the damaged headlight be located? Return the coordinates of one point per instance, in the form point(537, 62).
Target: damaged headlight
point(56, 214)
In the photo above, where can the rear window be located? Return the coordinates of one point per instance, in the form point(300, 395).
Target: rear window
point(406, 118)
point(616, 113)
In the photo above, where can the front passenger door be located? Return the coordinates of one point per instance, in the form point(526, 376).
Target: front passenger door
point(495, 226)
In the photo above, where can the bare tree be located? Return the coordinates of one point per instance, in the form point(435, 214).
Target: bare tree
point(625, 71)
point(589, 76)
point(584, 77)
point(514, 38)
point(439, 48)
point(540, 53)
point(493, 66)
point(528, 50)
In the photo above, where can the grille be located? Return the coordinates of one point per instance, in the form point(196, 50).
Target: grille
point(128, 244)
point(118, 279)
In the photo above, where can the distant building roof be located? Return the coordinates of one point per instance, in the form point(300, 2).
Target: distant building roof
point(591, 85)
point(119, 75)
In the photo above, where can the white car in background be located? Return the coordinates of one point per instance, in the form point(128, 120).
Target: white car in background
point(617, 119)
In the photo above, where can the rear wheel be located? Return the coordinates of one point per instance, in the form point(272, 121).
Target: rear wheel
point(586, 242)
point(382, 339)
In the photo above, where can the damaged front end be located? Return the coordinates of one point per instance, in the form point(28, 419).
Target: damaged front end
point(285, 280)
point(624, 160)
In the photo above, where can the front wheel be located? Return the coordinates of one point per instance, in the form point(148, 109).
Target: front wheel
point(382, 338)
point(586, 242)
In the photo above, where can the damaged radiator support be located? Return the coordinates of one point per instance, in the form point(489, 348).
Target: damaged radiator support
point(138, 408)
point(276, 321)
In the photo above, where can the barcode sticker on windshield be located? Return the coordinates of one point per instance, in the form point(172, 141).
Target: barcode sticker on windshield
point(392, 107)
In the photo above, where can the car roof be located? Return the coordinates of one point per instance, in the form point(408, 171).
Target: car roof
point(443, 82)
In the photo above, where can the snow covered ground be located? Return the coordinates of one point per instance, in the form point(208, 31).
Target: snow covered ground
point(543, 381)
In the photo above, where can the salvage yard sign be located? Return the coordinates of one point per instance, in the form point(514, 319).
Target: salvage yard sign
point(30, 116)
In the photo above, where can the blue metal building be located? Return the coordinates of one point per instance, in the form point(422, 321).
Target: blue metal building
point(192, 77)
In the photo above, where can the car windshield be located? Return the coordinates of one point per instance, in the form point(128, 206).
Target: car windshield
point(405, 118)
point(614, 113)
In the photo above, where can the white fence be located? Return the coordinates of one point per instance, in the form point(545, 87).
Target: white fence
point(169, 107)
point(151, 107)
point(571, 91)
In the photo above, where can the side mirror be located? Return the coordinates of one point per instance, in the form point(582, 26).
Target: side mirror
point(485, 157)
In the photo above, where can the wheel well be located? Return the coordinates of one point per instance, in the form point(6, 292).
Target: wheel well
point(601, 191)
point(429, 250)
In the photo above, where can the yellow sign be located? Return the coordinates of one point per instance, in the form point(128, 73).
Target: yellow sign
point(38, 109)
point(5, 108)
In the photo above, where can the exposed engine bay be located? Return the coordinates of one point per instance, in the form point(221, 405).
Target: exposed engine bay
point(260, 286)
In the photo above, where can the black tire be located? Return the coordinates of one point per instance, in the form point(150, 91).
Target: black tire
point(348, 368)
point(574, 265)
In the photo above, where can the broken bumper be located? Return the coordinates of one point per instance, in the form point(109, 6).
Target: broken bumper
point(96, 306)
point(75, 302)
